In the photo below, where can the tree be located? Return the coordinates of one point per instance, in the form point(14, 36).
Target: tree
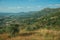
point(13, 29)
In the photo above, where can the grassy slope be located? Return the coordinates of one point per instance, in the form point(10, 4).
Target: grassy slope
point(41, 34)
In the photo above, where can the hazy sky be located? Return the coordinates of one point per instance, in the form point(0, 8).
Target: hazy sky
point(27, 5)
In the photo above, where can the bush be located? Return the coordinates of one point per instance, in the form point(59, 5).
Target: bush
point(1, 31)
point(31, 28)
point(13, 29)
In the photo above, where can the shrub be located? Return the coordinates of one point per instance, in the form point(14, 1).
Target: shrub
point(1, 31)
point(13, 29)
point(31, 28)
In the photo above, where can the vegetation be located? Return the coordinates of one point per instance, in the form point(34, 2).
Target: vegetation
point(47, 20)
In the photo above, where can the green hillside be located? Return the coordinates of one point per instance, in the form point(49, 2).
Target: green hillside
point(15, 24)
point(48, 18)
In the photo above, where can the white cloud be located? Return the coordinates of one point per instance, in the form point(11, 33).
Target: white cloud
point(39, 6)
point(29, 7)
point(57, 5)
point(19, 8)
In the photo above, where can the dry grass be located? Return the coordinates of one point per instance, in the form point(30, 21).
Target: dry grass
point(42, 34)
point(4, 36)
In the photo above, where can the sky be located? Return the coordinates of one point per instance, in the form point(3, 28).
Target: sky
point(15, 6)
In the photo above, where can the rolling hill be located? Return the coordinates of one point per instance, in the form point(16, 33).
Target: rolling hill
point(44, 24)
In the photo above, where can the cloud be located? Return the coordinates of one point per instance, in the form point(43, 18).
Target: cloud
point(39, 6)
point(10, 9)
point(56, 5)
point(20, 8)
